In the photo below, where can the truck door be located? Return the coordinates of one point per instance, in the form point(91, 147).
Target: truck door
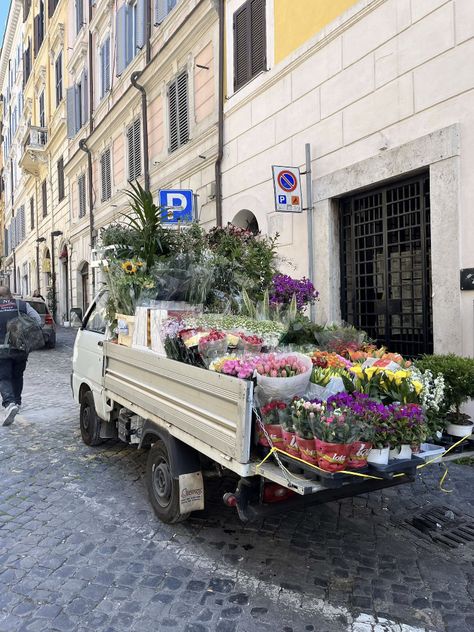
point(88, 352)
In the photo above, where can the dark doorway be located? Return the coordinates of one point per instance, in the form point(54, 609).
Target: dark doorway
point(386, 265)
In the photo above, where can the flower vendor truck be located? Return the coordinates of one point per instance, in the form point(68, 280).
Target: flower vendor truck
point(197, 422)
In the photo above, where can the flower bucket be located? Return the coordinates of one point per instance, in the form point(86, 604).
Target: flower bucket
point(378, 456)
point(307, 450)
point(403, 451)
point(332, 457)
point(275, 432)
point(358, 453)
point(289, 443)
point(459, 430)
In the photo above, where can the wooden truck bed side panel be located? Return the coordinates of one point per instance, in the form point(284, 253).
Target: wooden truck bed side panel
point(213, 408)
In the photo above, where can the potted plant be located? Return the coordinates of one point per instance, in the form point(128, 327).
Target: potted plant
point(333, 430)
point(288, 431)
point(382, 434)
point(409, 422)
point(271, 422)
point(458, 374)
point(303, 415)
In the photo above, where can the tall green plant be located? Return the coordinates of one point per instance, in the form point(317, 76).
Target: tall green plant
point(145, 221)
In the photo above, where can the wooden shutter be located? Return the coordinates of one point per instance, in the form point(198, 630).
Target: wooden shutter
point(44, 196)
point(105, 68)
point(249, 42)
point(60, 166)
point(22, 222)
point(81, 186)
point(84, 98)
point(121, 39)
point(59, 78)
point(258, 44)
point(178, 104)
point(140, 25)
point(105, 170)
point(36, 34)
point(173, 115)
point(134, 150)
point(32, 213)
point(71, 111)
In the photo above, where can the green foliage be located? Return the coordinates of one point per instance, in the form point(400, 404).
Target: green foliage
point(301, 331)
point(458, 373)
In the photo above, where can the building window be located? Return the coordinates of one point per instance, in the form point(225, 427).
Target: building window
point(130, 32)
point(178, 104)
point(81, 189)
point(162, 8)
point(77, 105)
point(134, 151)
point(58, 66)
point(27, 62)
point(105, 68)
point(44, 198)
point(38, 28)
point(60, 167)
point(249, 42)
point(42, 121)
point(105, 176)
point(79, 14)
point(52, 6)
point(32, 213)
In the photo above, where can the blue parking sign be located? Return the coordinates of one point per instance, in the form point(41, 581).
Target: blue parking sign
point(176, 206)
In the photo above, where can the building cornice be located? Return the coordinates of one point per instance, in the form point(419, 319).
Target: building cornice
point(12, 22)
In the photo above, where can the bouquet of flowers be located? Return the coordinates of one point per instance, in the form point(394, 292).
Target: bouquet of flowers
point(284, 290)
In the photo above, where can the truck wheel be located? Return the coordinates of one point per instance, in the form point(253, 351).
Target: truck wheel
point(163, 489)
point(90, 423)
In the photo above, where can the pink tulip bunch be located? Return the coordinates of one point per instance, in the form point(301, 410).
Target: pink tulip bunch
point(240, 367)
point(280, 366)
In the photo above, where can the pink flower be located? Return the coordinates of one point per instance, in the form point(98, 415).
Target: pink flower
point(273, 373)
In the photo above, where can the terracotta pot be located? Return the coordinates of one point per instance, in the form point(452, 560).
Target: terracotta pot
point(307, 450)
point(289, 443)
point(275, 432)
point(358, 453)
point(332, 457)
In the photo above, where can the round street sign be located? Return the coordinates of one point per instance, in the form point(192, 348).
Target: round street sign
point(287, 181)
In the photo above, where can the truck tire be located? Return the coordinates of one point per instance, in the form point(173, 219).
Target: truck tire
point(89, 421)
point(163, 489)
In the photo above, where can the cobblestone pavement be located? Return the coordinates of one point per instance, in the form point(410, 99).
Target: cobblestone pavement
point(80, 549)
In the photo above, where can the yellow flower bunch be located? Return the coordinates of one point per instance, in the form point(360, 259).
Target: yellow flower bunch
point(129, 267)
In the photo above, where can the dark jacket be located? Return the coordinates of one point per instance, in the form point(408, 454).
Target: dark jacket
point(8, 311)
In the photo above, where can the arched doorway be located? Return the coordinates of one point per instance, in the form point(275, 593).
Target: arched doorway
point(246, 219)
point(83, 286)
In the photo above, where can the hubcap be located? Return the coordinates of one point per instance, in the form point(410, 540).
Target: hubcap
point(86, 418)
point(162, 483)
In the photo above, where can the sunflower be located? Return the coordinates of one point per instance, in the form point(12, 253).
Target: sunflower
point(129, 267)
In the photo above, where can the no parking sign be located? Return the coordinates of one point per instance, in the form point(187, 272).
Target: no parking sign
point(287, 185)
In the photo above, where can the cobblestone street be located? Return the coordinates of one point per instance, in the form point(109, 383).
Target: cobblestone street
point(81, 550)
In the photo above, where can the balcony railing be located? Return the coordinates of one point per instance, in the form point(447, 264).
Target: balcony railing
point(33, 149)
point(36, 138)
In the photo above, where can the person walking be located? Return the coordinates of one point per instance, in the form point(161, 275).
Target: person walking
point(36, 294)
point(12, 361)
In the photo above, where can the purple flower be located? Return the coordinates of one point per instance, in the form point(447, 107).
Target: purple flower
point(284, 288)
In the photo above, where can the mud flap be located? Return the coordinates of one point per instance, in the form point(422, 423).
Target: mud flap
point(191, 492)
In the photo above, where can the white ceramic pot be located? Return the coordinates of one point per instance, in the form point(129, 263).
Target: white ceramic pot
point(394, 452)
point(457, 430)
point(379, 456)
point(404, 452)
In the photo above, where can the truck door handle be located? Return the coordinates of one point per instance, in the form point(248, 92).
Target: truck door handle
point(101, 343)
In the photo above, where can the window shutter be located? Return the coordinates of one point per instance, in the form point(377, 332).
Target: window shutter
point(134, 151)
point(60, 167)
point(44, 195)
point(71, 112)
point(32, 213)
point(36, 34)
point(258, 45)
point(173, 116)
point(140, 25)
point(183, 118)
point(105, 176)
point(22, 223)
point(81, 185)
point(84, 98)
point(161, 10)
point(121, 39)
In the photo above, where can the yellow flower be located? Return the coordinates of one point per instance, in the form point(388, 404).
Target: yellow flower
point(139, 264)
point(369, 371)
point(129, 267)
point(418, 386)
point(357, 370)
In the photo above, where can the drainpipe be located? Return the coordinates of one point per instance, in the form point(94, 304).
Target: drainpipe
point(84, 148)
point(220, 120)
point(146, 167)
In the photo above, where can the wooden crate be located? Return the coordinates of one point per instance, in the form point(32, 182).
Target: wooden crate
point(125, 339)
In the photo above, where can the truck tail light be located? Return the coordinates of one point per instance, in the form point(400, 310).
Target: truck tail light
point(230, 499)
point(274, 493)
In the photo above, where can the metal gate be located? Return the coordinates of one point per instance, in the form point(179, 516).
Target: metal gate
point(386, 265)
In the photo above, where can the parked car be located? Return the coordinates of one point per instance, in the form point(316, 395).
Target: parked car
point(47, 320)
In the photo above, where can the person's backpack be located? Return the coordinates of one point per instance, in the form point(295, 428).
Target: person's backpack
point(24, 333)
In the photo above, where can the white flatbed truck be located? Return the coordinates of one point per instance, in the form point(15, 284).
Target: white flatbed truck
point(193, 421)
